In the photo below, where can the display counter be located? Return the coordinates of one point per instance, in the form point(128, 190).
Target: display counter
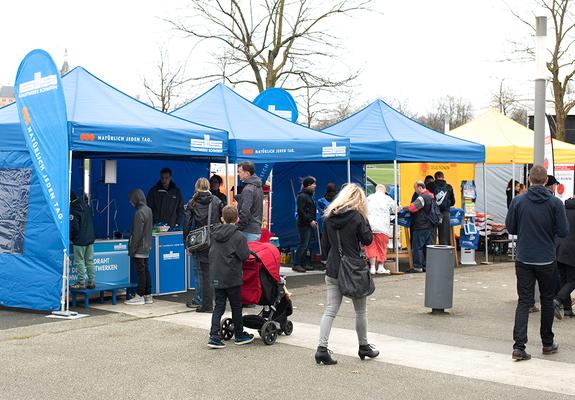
point(111, 263)
point(168, 263)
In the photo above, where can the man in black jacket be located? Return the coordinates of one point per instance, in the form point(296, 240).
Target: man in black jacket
point(82, 237)
point(537, 218)
point(306, 222)
point(228, 250)
point(423, 229)
point(166, 201)
point(250, 202)
point(445, 199)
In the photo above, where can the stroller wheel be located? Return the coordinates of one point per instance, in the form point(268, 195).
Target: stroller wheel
point(269, 333)
point(288, 328)
point(226, 329)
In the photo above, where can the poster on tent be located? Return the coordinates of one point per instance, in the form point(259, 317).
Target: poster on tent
point(42, 111)
point(565, 175)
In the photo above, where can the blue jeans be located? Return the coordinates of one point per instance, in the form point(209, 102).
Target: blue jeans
point(420, 240)
point(252, 237)
point(197, 271)
point(305, 233)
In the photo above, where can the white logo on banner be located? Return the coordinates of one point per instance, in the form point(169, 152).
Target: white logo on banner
point(565, 174)
point(285, 114)
point(120, 246)
point(38, 85)
point(171, 256)
point(333, 151)
point(206, 145)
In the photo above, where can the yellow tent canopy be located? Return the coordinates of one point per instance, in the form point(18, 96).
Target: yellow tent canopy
point(507, 141)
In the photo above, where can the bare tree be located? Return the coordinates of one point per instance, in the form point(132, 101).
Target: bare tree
point(272, 42)
point(562, 63)
point(164, 88)
point(509, 104)
point(455, 110)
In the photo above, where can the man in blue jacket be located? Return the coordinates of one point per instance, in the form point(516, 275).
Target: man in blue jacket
point(537, 218)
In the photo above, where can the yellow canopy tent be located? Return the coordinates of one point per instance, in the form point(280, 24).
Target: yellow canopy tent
point(508, 142)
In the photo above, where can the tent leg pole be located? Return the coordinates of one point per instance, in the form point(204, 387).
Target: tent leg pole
point(512, 197)
point(65, 297)
point(395, 225)
point(227, 180)
point(485, 212)
point(270, 200)
point(235, 180)
point(348, 170)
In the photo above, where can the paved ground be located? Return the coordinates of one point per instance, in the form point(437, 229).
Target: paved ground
point(159, 351)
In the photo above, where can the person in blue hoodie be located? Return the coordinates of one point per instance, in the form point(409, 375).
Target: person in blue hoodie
point(537, 218)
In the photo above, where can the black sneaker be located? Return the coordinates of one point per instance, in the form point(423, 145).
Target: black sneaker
point(557, 309)
point(520, 355)
point(243, 338)
point(554, 348)
point(568, 313)
point(298, 268)
point(204, 310)
point(193, 304)
point(216, 343)
point(308, 267)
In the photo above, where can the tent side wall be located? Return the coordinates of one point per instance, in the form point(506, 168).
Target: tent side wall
point(31, 255)
point(287, 179)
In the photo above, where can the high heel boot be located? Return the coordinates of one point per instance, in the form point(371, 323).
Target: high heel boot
point(323, 355)
point(367, 350)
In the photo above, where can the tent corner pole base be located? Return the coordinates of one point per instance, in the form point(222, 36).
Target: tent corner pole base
point(66, 315)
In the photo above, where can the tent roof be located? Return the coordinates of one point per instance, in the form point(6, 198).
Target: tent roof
point(258, 135)
point(379, 133)
point(103, 119)
point(507, 141)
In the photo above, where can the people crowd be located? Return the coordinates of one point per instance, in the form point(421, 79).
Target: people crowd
point(347, 225)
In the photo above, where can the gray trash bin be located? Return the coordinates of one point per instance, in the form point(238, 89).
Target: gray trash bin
point(440, 265)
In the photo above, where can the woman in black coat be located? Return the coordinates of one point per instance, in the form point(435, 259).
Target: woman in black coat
point(566, 265)
point(347, 214)
point(196, 217)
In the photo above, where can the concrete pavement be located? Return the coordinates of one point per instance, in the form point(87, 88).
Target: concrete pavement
point(159, 351)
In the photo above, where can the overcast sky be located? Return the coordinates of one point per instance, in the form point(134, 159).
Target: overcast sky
point(414, 51)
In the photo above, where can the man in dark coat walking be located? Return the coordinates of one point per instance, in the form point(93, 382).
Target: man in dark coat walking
point(537, 218)
point(566, 265)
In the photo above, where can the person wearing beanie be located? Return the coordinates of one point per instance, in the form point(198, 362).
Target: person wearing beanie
point(306, 222)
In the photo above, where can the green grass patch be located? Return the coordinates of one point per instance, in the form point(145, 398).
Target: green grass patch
point(381, 173)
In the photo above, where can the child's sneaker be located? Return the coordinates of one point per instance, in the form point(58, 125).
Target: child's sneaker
point(148, 299)
point(216, 343)
point(135, 301)
point(244, 338)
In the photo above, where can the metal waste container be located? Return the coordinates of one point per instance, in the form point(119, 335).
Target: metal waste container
point(440, 265)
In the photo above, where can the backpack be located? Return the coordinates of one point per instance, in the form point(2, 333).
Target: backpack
point(435, 216)
point(443, 197)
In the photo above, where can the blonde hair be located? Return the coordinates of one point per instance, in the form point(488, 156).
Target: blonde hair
point(351, 197)
point(202, 185)
point(381, 188)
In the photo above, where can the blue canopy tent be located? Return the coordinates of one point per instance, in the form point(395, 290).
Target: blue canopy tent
point(379, 133)
point(102, 121)
point(262, 137)
point(258, 135)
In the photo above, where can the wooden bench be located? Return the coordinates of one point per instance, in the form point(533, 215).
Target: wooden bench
point(101, 288)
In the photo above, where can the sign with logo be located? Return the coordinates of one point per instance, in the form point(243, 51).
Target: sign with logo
point(565, 175)
point(333, 151)
point(206, 145)
point(111, 263)
point(278, 102)
point(42, 110)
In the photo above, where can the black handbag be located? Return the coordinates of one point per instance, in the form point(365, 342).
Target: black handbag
point(199, 239)
point(354, 279)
